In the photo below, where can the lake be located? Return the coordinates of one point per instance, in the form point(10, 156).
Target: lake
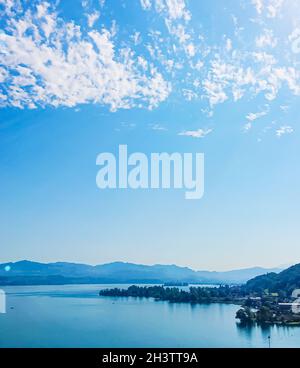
point(75, 316)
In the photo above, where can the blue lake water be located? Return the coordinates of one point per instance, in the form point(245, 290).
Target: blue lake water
point(75, 316)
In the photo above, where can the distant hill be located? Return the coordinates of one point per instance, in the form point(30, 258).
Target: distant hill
point(283, 282)
point(33, 273)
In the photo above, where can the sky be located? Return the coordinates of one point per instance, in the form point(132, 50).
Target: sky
point(220, 78)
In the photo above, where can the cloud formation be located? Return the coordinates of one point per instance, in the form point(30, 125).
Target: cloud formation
point(286, 129)
point(254, 116)
point(199, 133)
point(48, 61)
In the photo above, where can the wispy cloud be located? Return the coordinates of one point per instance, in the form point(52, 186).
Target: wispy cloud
point(270, 8)
point(286, 129)
point(92, 18)
point(157, 127)
point(199, 133)
point(254, 116)
point(146, 4)
point(266, 39)
point(259, 5)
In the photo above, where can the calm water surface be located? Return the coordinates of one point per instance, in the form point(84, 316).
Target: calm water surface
point(75, 316)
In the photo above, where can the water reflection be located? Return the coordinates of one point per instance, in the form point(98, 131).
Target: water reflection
point(270, 335)
point(75, 316)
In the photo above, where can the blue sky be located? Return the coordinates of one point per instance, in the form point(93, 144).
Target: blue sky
point(218, 77)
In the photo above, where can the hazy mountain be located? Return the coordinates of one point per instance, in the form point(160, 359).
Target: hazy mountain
point(26, 272)
point(238, 276)
point(284, 282)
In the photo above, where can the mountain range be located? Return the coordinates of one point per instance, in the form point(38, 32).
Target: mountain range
point(34, 273)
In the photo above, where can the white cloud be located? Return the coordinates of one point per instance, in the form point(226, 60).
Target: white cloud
point(190, 49)
point(226, 79)
point(189, 95)
point(177, 9)
point(274, 7)
point(55, 64)
point(270, 8)
point(92, 18)
point(284, 108)
point(215, 92)
point(266, 39)
point(199, 133)
point(247, 127)
point(157, 127)
point(179, 31)
point(284, 130)
point(228, 44)
point(259, 5)
point(146, 4)
point(254, 116)
point(136, 37)
point(176, 17)
point(174, 9)
point(264, 58)
point(46, 60)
